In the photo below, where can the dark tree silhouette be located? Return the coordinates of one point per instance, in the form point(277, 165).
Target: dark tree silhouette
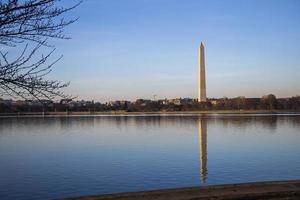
point(26, 23)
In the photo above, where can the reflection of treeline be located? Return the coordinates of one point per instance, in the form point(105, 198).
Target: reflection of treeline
point(268, 102)
point(188, 122)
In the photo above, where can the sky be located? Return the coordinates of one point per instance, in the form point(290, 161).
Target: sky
point(129, 49)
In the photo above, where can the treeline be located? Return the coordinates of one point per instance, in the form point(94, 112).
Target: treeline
point(268, 102)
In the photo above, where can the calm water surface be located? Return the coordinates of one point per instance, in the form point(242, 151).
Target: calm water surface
point(48, 158)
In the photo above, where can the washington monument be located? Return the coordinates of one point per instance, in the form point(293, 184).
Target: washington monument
point(201, 79)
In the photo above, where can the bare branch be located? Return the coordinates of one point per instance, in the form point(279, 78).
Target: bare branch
point(31, 21)
point(26, 79)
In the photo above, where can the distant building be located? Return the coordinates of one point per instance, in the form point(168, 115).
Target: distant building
point(214, 102)
point(186, 101)
point(122, 103)
point(177, 102)
point(142, 102)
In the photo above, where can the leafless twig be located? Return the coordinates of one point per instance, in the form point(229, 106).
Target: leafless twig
point(30, 21)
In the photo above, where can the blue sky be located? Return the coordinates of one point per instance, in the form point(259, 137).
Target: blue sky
point(129, 49)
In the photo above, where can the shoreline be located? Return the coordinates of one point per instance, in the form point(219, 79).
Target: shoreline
point(155, 113)
point(256, 190)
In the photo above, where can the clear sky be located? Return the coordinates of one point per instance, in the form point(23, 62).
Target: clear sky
point(129, 49)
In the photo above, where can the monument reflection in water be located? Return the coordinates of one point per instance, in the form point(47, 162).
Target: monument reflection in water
point(202, 131)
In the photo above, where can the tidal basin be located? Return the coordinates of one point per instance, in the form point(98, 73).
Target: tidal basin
point(57, 157)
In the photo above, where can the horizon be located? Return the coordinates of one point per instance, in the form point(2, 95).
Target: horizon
point(150, 99)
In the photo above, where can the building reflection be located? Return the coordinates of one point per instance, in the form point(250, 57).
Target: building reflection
point(202, 131)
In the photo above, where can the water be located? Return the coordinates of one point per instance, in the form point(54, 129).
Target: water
point(48, 158)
